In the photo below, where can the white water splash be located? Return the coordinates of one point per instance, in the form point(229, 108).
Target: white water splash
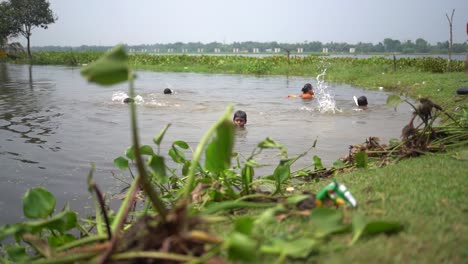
point(326, 101)
point(120, 97)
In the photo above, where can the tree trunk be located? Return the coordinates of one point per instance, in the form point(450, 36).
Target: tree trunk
point(29, 48)
point(450, 20)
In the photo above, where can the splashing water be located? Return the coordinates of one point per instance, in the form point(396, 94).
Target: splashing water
point(120, 96)
point(326, 101)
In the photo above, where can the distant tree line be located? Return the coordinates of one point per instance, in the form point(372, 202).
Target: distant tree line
point(387, 46)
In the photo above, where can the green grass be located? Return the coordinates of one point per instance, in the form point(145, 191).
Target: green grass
point(428, 195)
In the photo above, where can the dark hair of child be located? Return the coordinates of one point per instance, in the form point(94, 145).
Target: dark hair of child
point(167, 91)
point(240, 114)
point(306, 88)
point(362, 101)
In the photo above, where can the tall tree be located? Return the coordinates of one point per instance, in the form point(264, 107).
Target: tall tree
point(30, 14)
point(8, 26)
point(450, 20)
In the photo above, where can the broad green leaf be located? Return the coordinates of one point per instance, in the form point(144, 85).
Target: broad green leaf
point(186, 167)
point(111, 68)
point(359, 224)
point(270, 143)
point(130, 153)
point(241, 247)
point(38, 203)
point(327, 221)
point(218, 151)
point(244, 225)
point(56, 241)
point(361, 159)
point(318, 162)
point(181, 144)
point(121, 163)
point(296, 198)
point(146, 150)
point(16, 252)
point(177, 155)
point(159, 167)
point(394, 100)
point(282, 171)
point(247, 175)
point(157, 139)
point(297, 248)
point(338, 163)
point(61, 222)
point(363, 227)
point(377, 227)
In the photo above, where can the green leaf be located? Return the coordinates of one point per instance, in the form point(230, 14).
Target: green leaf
point(16, 252)
point(177, 155)
point(394, 100)
point(297, 198)
point(359, 224)
point(159, 167)
point(362, 227)
point(218, 151)
point(157, 139)
point(181, 144)
point(318, 162)
point(146, 150)
point(111, 68)
point(297, 248)
point(270, 143)
point(56, 241)
point(121, 163)
point(361, 159)
point(61, 222)
point(247, 175)
point(241, 247)
point(282, 171)
point(130, 153)
point(327, 221)
point(338, 164)
point(38, 203)
point(244, 225)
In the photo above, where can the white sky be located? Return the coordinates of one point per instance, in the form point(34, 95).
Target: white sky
point(109, 22)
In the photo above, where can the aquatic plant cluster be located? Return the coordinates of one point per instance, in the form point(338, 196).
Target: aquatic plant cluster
point(175, 207)
point(246, 64)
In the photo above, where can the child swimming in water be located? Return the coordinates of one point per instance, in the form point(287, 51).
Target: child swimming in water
point(168, 91)
point(362, 102)
point(307, 92)
point(240, 118)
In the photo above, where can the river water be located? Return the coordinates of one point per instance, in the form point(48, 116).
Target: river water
point(53, 125)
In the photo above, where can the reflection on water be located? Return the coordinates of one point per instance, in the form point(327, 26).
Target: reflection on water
point(53, 124)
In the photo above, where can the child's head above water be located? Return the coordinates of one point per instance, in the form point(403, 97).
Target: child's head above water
point(240, 118)
point(307, 88)
point(362, 101)
point(167, 91)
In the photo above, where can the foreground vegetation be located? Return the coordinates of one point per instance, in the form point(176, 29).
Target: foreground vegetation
point(421, 201)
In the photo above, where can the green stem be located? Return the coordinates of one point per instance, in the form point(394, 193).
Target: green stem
point(122, 213)
point(198, 152)
point(82, 241)
point(71, 258)
point(145, 181)
point(152, 255)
